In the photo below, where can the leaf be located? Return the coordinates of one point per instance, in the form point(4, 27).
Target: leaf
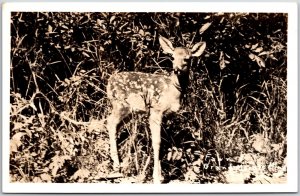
point(222, 63)
point(67, 47)
point(169, 156)
point(99, 22)
point(179, 155)
point(141, 32)
point(17, 138)
point(112, 19)
point(37, 180)
point(45, 177)
point(50, 29)
point(18, 125)
point(13, 146)
point(252, 56)
point(258, 49)
point(175, 153)
point(222, 19)
point(177, 22)
point(260, 61)
point(198, 49)
point(65, 27)
point(29, 131)
point(81, 174)
point(254, 46)
point(57, 163)
point(15, 142)
point(263, 53)
point(272, 57)
point(204, 27)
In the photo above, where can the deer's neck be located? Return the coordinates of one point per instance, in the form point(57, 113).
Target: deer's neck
point(182, 81)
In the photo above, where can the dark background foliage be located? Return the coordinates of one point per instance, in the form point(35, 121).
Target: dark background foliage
point(60, 63)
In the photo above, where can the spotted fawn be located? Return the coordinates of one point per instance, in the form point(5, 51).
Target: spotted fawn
point(154, 93)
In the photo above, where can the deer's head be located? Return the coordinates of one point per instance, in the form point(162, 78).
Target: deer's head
point(181, 55)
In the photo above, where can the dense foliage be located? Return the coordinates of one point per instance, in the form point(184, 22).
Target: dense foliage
point(236, 102)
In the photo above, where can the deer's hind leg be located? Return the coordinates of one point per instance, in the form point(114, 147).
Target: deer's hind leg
point(119, 112)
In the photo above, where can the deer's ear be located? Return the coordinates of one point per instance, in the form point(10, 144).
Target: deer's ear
point(166, 45)
point(198, 49)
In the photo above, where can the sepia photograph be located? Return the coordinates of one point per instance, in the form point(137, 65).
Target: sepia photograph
point(176, 97)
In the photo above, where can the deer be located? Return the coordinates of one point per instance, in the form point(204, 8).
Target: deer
point(155, 93)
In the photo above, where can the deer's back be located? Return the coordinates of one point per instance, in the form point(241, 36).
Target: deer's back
point(140, 91)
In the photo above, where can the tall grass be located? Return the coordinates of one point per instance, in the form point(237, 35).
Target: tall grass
point(59, 105)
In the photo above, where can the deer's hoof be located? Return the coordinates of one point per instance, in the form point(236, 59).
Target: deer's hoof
point(116, 167)
point(158, 179)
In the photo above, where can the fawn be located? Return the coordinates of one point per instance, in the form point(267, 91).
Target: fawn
point(153, 93)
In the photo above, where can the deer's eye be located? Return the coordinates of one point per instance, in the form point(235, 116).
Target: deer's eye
point(172, 58)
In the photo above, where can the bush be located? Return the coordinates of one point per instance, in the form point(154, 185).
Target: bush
point(61, 63)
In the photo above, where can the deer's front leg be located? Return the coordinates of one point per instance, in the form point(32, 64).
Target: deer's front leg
point(155, 127)
point(112, 123)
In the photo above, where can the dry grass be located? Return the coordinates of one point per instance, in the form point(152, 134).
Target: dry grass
point(235, 106)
